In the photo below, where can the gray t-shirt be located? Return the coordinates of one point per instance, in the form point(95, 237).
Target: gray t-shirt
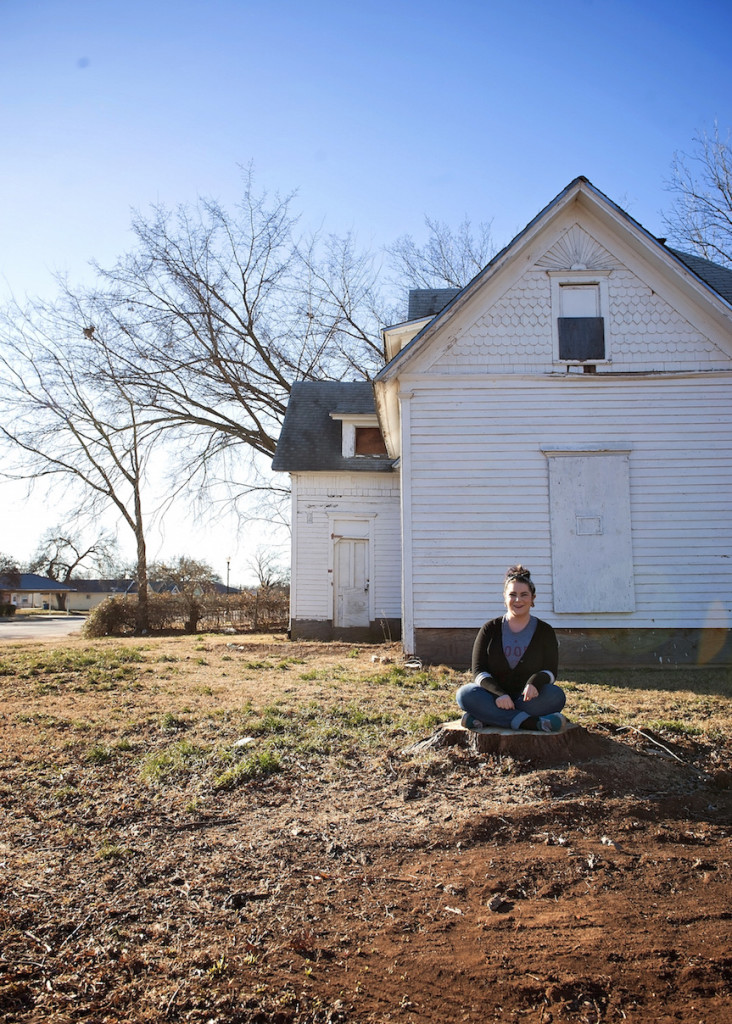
point(515, 644)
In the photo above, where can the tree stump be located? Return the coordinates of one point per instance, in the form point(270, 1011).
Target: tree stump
point(573, 743)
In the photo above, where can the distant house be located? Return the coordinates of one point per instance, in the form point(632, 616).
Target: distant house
point(222, 590)
point(570, 408)
point(31, 591)
point(89, 594)
point(153, 587)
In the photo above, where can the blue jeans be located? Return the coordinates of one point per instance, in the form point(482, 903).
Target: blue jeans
point(482, 705)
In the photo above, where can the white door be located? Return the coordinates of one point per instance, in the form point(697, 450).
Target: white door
point(592, 557)
point(351, 564)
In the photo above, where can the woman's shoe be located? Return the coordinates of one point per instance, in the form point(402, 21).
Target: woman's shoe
point(469, 722)
point(551, 723)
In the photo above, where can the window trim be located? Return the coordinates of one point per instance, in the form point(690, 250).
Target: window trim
point(558, 279)
point(349, 423)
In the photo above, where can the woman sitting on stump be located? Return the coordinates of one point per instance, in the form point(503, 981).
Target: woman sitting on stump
point(515, 663)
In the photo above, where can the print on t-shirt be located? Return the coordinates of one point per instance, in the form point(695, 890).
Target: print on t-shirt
point(515, 644)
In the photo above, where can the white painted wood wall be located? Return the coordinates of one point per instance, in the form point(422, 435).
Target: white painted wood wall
point(318, 499)
point(486, 397)
point(479, 491)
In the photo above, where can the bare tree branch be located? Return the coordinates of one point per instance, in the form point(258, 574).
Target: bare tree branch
point(700, 217)
point(448, 259)
point(61, 552)
point(68, 415)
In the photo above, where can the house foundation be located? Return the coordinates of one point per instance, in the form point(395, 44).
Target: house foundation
point(377, 632)
point(597, 648)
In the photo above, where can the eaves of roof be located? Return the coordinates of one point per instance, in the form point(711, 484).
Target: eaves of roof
point(311, 439)
point(716, 279)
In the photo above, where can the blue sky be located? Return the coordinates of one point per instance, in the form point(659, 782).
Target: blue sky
point(377, 113)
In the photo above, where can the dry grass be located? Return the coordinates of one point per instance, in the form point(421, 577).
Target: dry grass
point(191, 708)
point(215, 829)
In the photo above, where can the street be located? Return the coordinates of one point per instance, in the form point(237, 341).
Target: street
point(40, 627)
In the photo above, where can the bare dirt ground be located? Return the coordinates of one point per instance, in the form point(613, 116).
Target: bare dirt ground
point(220, 829)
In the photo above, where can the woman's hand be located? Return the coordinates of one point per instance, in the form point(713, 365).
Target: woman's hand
point(530, 692)
point(505, 703)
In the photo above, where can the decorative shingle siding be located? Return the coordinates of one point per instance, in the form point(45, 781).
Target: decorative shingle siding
point(643, 333)
point(646, 333)
point(513, 336)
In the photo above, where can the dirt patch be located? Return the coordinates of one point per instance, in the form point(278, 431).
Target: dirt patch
point(348, 876)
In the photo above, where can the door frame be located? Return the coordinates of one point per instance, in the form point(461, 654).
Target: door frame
point(347, 526)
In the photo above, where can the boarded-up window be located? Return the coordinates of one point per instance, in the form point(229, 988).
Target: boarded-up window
point(592, 557)
point(581, 338)
point(369, 441)
point(581, 328)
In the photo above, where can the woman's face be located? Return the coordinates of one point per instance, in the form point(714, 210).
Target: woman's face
point(518, 598)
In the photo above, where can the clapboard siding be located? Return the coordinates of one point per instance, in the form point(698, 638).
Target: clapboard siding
point(479, 490)
point(319, 498)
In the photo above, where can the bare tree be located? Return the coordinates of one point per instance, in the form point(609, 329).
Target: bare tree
point(194, 339)
point(191, 580)
point(700, 217)
point(448, 259)
point(265, 566)
point(61, 552)
point(218, 314)
point(69, 416)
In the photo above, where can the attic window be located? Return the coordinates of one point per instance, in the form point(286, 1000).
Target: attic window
point(369, 441)
point(361, 436)
point(579, 305)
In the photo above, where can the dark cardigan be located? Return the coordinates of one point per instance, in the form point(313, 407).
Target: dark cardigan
point(542, 655)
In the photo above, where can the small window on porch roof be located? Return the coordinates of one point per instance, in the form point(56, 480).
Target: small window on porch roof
point(360, 436)
point(369, 441)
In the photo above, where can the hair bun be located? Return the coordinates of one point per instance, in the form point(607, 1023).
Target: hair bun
point(522, 575)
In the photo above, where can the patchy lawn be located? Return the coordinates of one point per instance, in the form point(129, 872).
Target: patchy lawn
point(224, 829)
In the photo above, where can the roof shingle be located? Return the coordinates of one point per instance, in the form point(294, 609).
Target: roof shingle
point(717, 277)
point(311, 439)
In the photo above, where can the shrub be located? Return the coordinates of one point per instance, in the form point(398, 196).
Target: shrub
point(113, 617)
point(116, 615)
point(7, 609)
point(264, 610)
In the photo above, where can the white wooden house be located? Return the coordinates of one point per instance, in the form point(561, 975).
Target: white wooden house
point(571, 408)
point(346, 549)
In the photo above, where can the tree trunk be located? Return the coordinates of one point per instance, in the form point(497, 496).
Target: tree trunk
point(194, 614)
point(573, 743)
point(142, 613)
